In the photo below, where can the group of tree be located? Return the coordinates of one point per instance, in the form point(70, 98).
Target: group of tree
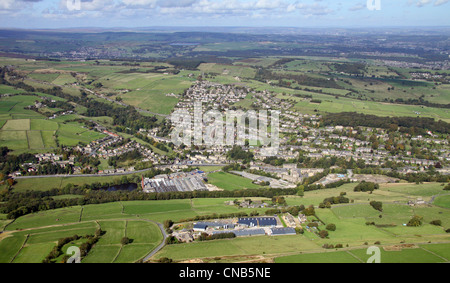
point(237, 153)
point(57, 250)
point(366, 187)
point(124, 157)
point(377, 205)
point(207, 237)
point(410, 125)
point(415, 221)
point(327, 202)
point(274, 161)
point(293, 210)
point(263, 74)
point(10, 163)
point(84, 247)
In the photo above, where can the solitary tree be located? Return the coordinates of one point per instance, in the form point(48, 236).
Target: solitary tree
point(331, 227)
point(323, 234)
point(416, 221)
point(125, 241)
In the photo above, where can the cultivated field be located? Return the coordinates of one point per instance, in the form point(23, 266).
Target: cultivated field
point(24, 130)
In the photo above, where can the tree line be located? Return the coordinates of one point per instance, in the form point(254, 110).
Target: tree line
point(17, 204)
point(411, 125)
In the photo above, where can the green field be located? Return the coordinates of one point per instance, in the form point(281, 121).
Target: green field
point(71, 134)
point(131, 219)
point(443, 201)
point(24, 130)
point(432, 253)
point(230, 182)
point(37, 135)
point(31, 246)
point(145, 237)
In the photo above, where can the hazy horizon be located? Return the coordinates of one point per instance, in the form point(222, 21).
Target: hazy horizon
point(57, 14)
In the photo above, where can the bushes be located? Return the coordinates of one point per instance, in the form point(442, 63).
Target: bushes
point(84, 248)
point(331, 246)
point(125, 241)
point(170, 240)
point(331, 227)
point(57, 250)
point(327, 202)
point(436, 222)
point(206, 237)
point(168, 223)
point(337, 184)
point(377, 205)
point(309, 211)
point(366, 187)
point(323, 234)
point(294, 210)
point(165, 260)
point(416, 221)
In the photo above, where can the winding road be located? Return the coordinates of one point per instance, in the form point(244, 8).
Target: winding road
point(158, 248)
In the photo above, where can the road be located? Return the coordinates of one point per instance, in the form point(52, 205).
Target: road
point(81, 175)
point(158, 248)
point(113, 174)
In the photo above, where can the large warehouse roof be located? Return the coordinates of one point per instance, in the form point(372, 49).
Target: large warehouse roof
point(258, 221)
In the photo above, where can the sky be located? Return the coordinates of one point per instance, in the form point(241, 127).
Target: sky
point(245, 13)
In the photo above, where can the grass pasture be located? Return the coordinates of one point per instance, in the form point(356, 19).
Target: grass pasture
point(25, 131)
point(256, 245)
point(443, 201)
point(36, 135)
point(432, 253)
point(32, 246)
point(147, 90)
point(71, 134)
point(231, 182)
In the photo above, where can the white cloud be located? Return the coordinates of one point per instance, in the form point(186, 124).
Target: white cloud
point(422, 3)
point(16, 5)
point(440, 2)
point(358, 7)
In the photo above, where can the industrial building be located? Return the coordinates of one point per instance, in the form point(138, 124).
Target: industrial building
point(177, 182)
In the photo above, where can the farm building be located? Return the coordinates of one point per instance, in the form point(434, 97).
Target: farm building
point(258, 221)
point(282, 231)
point(244, 232)
point(202, 226)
